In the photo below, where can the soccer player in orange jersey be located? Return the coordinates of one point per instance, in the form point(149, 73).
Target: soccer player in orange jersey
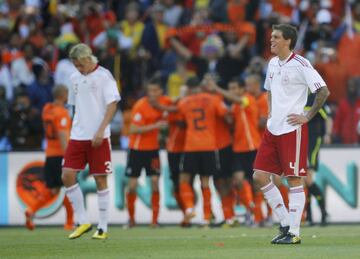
point(223, 179)
point(199, 110)
point(146, 121)
point(246, 139)
point(175, 149)
point(57, 125)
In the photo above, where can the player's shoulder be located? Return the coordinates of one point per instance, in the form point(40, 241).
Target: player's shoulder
point(76, 74)
point(300, 61)
point(61, 111)
point(48, 107)
point(141, 103)
point(166, 100)
point(103, 72)
point(273, 61)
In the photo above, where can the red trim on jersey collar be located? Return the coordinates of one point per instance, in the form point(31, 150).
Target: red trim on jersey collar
point(290, 58)
point(97, 65)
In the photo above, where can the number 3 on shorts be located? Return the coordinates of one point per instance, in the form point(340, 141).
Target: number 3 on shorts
point(108, 166)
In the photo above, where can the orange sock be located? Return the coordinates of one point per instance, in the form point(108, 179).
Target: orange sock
point(186, 195)
point(130, 199)
point(206, 203)
point(179, 202)
point(258, 200)
point(285, 194)
point(69, 211)
point(227, 206)
point(155, 200)
point(246, 195)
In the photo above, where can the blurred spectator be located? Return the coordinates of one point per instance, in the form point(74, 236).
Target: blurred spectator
point(347, 118)
point(21, 68)
point(64, 68)
point(116, 60)
point(4, 119)
point(153, 40)
point(321, 30)
point(25, 127)
point(178, 78)
point(40, 90)
point(132, 27)
point(257, 66)
point(5, 80)
point(326, 63)
point(172, 13)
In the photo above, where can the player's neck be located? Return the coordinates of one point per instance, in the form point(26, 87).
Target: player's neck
point(58, 102)
point(284, 55)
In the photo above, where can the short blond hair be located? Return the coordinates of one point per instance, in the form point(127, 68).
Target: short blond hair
point(59, 91)
point(80, 51)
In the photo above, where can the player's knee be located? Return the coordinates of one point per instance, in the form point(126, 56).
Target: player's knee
point(66, 178)
point(101, 182)
point(261, 178)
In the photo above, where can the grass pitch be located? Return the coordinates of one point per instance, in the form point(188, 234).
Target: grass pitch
point(173, 242)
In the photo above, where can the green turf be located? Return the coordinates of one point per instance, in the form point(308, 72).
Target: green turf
point(173, 242)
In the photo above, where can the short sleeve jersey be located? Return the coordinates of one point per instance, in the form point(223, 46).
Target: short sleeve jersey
point(176, 139)
point(90, 94)
point(55, 119)
point(200, 112)
point(144, 114)
point(288, 81)
point(222, 129)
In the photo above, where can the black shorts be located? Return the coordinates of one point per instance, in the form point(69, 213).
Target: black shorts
point(313, 151)
point(53, 168)
point(244, 161)
point(225, 163)
point(175, 163)
point(204, 163)
point(137, 160)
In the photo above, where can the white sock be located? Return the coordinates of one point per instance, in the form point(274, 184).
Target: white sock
point(276, 202)
point(76, 198)
point(296, 207)
point(103, 203)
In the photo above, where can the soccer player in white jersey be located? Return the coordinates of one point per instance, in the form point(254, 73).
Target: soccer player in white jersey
point(94, 94)
point(283, 150)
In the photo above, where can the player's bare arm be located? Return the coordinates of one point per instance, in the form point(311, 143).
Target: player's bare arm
point(269, 104)
point(64, 138)
point(212, 86)
point(109, 114)
point(135, 129)
point(161, 107)
point(320, 98)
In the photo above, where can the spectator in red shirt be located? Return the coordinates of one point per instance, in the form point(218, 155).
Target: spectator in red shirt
point(347, 117)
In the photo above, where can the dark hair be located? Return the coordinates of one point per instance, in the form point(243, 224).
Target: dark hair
point(155, 80)
point(238, 80)
point(288, 32)
point(193, 82)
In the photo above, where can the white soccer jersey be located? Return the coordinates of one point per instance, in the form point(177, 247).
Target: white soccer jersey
point(288, 81)
point(90, 94)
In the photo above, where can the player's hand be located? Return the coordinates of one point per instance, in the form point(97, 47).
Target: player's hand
point(296, 119)
point(327, 139)
point(161, 124)
point(97, 139)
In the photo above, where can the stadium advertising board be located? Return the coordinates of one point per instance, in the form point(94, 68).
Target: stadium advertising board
point(21, 182)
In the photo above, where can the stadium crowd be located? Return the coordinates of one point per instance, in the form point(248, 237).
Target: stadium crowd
point(174, 40)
